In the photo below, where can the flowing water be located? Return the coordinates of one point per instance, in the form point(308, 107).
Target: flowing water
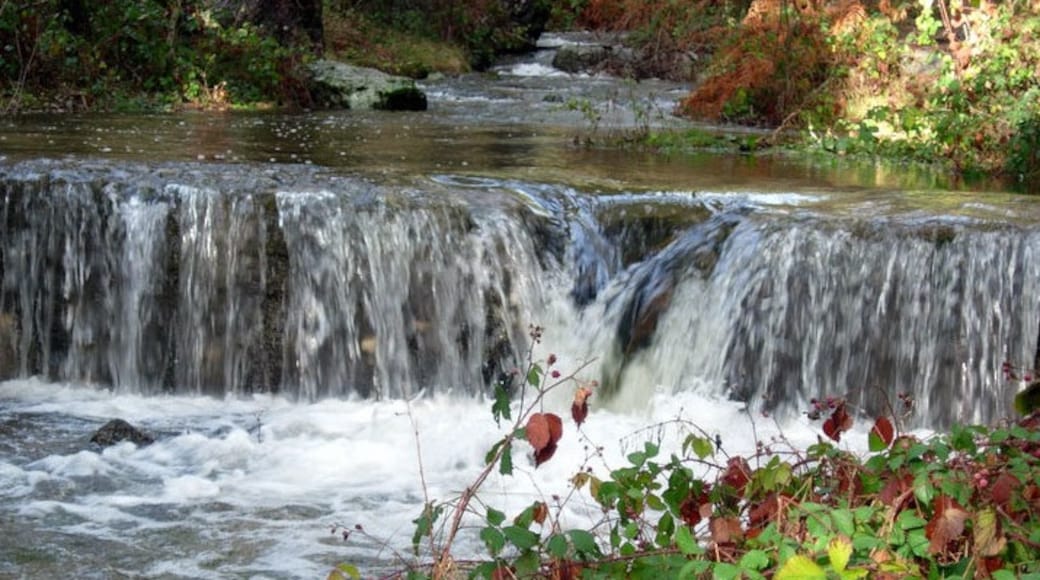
point(308, 310)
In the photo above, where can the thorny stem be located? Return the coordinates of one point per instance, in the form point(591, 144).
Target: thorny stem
point(422, 472)
point(470, 492)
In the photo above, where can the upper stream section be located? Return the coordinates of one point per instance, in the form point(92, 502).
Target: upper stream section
point(328, 254)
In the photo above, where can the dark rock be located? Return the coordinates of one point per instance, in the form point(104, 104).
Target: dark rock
point(118, 430)
point(8, 347)
point(578, 58)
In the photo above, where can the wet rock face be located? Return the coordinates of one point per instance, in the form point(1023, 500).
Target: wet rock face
point(8, 347)
point(117, 431)
point(340, 85)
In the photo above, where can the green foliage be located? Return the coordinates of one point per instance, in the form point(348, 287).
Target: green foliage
point(961, 504)
point(483, 28)
point(105, 52)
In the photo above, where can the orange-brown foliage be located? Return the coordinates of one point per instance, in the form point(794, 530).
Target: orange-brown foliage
point(763, 75)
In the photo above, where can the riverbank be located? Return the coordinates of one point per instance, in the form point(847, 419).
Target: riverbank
point(915, 81)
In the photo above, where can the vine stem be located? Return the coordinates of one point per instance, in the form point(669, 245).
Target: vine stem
point(470, 492)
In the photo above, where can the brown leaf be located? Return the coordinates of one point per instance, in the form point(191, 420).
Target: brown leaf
point(764, 511)
point(540, 511)
point(544, 454)
point(839, 422)
point(946, 525)
point(695, 508)
point(738, 473)
point(725, 530)
point(580, 406)
point(1003, 487)
point(538, 431)
point(883, 429)
point(555, 427)
point(895, 490)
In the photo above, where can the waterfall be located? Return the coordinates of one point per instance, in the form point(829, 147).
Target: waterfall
point(210, 279)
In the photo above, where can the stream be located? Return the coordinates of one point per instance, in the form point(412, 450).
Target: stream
point(309, 311)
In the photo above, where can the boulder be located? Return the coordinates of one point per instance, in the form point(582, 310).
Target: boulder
point(118, 430)
point(580, 58)
point(339, 85)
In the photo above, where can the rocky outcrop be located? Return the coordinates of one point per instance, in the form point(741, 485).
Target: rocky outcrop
point(581, 58)
point(117, 431)
point(339, 85)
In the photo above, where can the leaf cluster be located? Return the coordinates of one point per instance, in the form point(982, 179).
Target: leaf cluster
point(966, 503)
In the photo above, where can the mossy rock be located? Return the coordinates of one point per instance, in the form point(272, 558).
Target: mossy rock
point(340, 85)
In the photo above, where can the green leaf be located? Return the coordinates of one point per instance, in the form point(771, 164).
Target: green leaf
point(701, 446)
point(725, 571)
point(493, 539)
point(493, 452)
point(918, 542)
point(558, 546)
point(500, 408)
point(844, 521)
point(854, 574)
point(839, 551)
point(522, 538)
point(686, 543)
point(637, 459)
point(800, 567)
point(423, 525)
point(505, 466)
point(495, 517)
point(348, 571)
point(527, 565)
point(694, 569)
point(875, 443)
point(755, 560)
point(1004, 575)
point(584, 544)
point(485, 570)
point(534, 376)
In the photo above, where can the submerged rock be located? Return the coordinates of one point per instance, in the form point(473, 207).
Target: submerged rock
point(118, 430)
point(337, 84)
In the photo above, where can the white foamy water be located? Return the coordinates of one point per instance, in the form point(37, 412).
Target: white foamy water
point(253, 486)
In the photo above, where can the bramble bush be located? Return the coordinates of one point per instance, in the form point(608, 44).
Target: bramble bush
point(965, 503)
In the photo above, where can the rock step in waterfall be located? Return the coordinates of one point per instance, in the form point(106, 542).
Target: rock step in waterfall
point(231, 279)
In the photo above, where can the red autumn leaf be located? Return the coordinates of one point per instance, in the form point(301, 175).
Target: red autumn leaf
point(764, 512)
point(895, 490)
point(544, 429)
point(839, 422)
point(544, 454)
point(580, 406)
point(1002, 488)
point(538, 431)
point(540, 511)
point(883, 429)
point(725, 530)
point(946, 525)
point(695, 508)
point(555, 427)
point(738, 473)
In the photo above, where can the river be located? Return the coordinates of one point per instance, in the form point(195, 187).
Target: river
point(306, 308)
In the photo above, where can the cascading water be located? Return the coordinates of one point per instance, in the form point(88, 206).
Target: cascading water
point(341, 287)
point(302, 340)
